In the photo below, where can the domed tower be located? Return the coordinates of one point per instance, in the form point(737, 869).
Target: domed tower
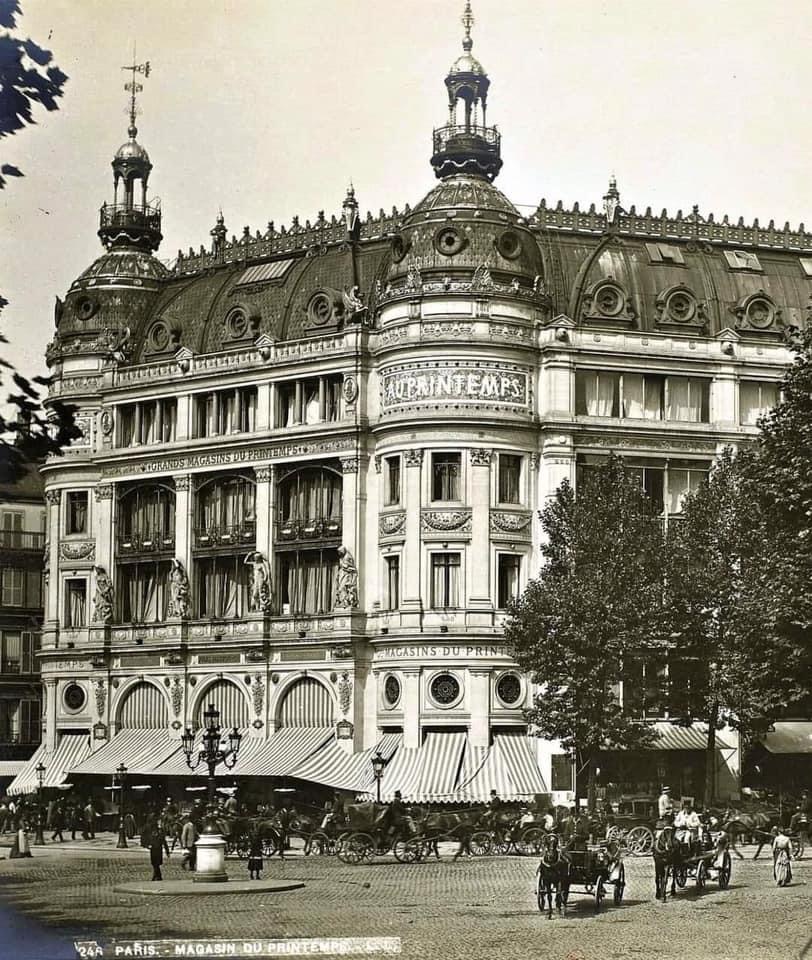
point(467, 144)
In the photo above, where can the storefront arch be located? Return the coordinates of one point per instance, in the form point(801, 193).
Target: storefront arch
point(306, 703)
point(142, 706)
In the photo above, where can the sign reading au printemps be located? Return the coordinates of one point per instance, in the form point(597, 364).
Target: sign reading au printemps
point(432, 651)
point(457, 383)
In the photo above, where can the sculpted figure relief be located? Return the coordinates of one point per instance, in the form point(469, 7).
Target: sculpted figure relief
point(179, 592)
point(261, 597)
point(104, 599)
point(346, 580)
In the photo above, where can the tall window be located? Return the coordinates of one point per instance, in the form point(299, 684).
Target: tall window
point(392, 583)
point(11, 529)
point(311, 495)
point(680, 484)
point(146, 518)
point(224, 412)
point(76, 512)
point(445, 580)
point(13, 587)
point(226, 511)
point(12, 652)
point(645, 687)
point(314, 400)
point(306, 580)
point(597, 393)
point(508, 577)
point(651, 482)
point(510, 473)
point(446, 469)
point(561, 772)
point(687, 399)
point(222, 586)
point(641, 396)
point(756, 397)
point(143, 591)
point(148, 422)
point(76, 602)
point(392, 481)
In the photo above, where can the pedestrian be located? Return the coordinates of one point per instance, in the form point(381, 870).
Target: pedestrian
point(57, 822)
point(20, 847)
point(284, 819)
point(129, 825)
point(255, 856)
point(74, 820)
point(157, 847)
point(782, 857)
point(188, 838)
point(665, 804)
point(89, 833)
point(800, 821)
point(3, 815)
point(464, 849)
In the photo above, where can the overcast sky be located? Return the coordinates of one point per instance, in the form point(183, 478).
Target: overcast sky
point(267, 108)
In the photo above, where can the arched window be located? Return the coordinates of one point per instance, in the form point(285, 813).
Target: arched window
point(143, 708)
point(306, 703)
point(311, 495)
point(226, 511)
point(228, 699)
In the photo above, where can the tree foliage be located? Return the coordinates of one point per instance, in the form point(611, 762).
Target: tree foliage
point(596, 601)
point(26, 79)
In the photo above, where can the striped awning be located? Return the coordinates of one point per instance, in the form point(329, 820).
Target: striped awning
point(334, 767)
point(10, 768)
point(510, 768)
point(521, 759)
point(440, 766)
point(173, 763)
point(136, 749)
point(402, 773)
point(284, 752)
point(790, 737)
point(265, 271)
point(70, 751)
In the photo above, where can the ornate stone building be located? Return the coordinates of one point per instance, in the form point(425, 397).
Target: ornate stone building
point(313, 456)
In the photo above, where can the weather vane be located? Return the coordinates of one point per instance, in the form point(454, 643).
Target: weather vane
point(133, 88)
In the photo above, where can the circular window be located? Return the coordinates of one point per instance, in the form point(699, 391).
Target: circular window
point(681, 306)
point(237, 324)
point(391, 691)
point(445, 690)
point(74, 697)
point(509, 244)
point(399, 248)
point(509, 689)
point(320, 310)
point(609, 301)
point(760, 312)
point(449, 241)
point(159, 336)
point(86, 307)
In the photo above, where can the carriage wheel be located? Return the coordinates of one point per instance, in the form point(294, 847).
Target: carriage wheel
point(620, 884)
point(403, 853)
point(540, 894)
point(701, 875)
point(600, 893)
point(681, 875)
point(269, 846)
point(480, 843)
point(242, 848)
point(501, 844)
point(356, 847)
point(322, 843)
point(531, 841)
point(614, 833)
point(640, 841)
point(796, 847)
point(723, 875)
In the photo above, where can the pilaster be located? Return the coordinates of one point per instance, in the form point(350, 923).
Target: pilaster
point(183, 426)
point(49, 689)
point(479, 561)
point(265, 504)
point(479, 706)
point(412, 563)
point(183, 519)
point(411, 707)
point(264, 412)
point(53, 498)
point(723, 397)
point(103, 524)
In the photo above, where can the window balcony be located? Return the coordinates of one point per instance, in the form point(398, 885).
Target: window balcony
point(316, 529)
point(239, 535)
point(22, 540)
point(146, 542)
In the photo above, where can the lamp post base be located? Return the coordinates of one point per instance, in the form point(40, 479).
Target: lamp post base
point(211, 859)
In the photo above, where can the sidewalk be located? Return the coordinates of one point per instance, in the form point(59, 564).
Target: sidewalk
point(106, 843)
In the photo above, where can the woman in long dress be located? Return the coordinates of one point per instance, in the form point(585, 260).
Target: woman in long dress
point(782, 858)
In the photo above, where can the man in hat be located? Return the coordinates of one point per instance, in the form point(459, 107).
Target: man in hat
point(665, 804)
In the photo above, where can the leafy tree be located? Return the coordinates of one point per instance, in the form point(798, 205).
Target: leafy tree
point(596, 602)
point(722, 611)
point(26, 79)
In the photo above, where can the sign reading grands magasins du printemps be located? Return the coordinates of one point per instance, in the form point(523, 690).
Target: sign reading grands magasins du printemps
point(456, 383)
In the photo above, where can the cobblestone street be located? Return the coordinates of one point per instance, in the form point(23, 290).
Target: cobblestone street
point(482, 908)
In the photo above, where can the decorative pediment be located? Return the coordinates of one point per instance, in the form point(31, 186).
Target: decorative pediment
point(728, 339)
point(608, 301)
point(677, 307)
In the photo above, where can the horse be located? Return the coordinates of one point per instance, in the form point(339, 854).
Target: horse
point(457, 825)
point(553, 874)
point(751, 826)
point(668, 861)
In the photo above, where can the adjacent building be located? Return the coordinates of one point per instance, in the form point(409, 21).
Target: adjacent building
point(313, 459)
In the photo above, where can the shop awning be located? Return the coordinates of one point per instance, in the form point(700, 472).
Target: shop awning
point(136, 749)
point(790, 737)
point(402, 773)
point(10, 768)
point(287, 749)
point(520, 756)
point(510, 768)
point(334, 767)
point(439, 768)
point(386, 746)
point(70, 751)
point(674, 737)
point(173, 761)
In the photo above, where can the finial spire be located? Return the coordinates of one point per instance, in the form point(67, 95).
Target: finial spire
point(134, 88)
point(611, 199)
point(467, 22)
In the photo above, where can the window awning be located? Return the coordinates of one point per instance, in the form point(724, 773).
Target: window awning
point(334, 767)
point(137, 749)
point(790, 737)
point(440, 766)
point(287, 749)
point(10, 768)
point(509, 767)
point(70, 751)
point(173, 762)
point(674, 737)
point(402, 773)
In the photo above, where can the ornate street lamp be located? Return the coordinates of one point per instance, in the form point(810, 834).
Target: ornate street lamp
point(40, 771)
point(378, 764)
point(211, 846)
point(121, 772)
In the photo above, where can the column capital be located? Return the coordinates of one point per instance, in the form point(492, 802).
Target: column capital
point(480, 457)
point(350, 464)
point(183, 481)
point(534, 461)
point(413, 458)
point(264, 474)
point(103, 491)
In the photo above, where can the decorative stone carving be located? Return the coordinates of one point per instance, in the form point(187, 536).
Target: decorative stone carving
point(100, 691)
point(607, 300)
point(344, 693)
point(349, 389)
point(77, 550)
point(414, 279)
point(176, 696)
point(343, 652)
point(440, 330)
point(179, 592)
point(482, 279)
point(263, 474)
point(445, 520)
point(377, 463)
point(350, 464)
point(261, 598)
point(509, 522)
point(534, 461)
point(53, 497)
point(413, 458)
point(103, 491)
point(104, 600)
point(346, 580)
point(391, 523)
point(480, 458)
point(258, 693)
point(106, 422)
point(183, 482)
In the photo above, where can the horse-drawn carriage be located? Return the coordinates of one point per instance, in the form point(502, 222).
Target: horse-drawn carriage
point(633, 824)
point(507, 832)
point(370, 831)
point(702, 860)
point(594, 866)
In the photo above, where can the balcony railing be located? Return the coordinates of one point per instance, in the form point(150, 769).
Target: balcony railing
point(120, 215)
point(456, 137)
point(241, 534)
point(297, 530)
point(22, 539)
point(146, 542)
